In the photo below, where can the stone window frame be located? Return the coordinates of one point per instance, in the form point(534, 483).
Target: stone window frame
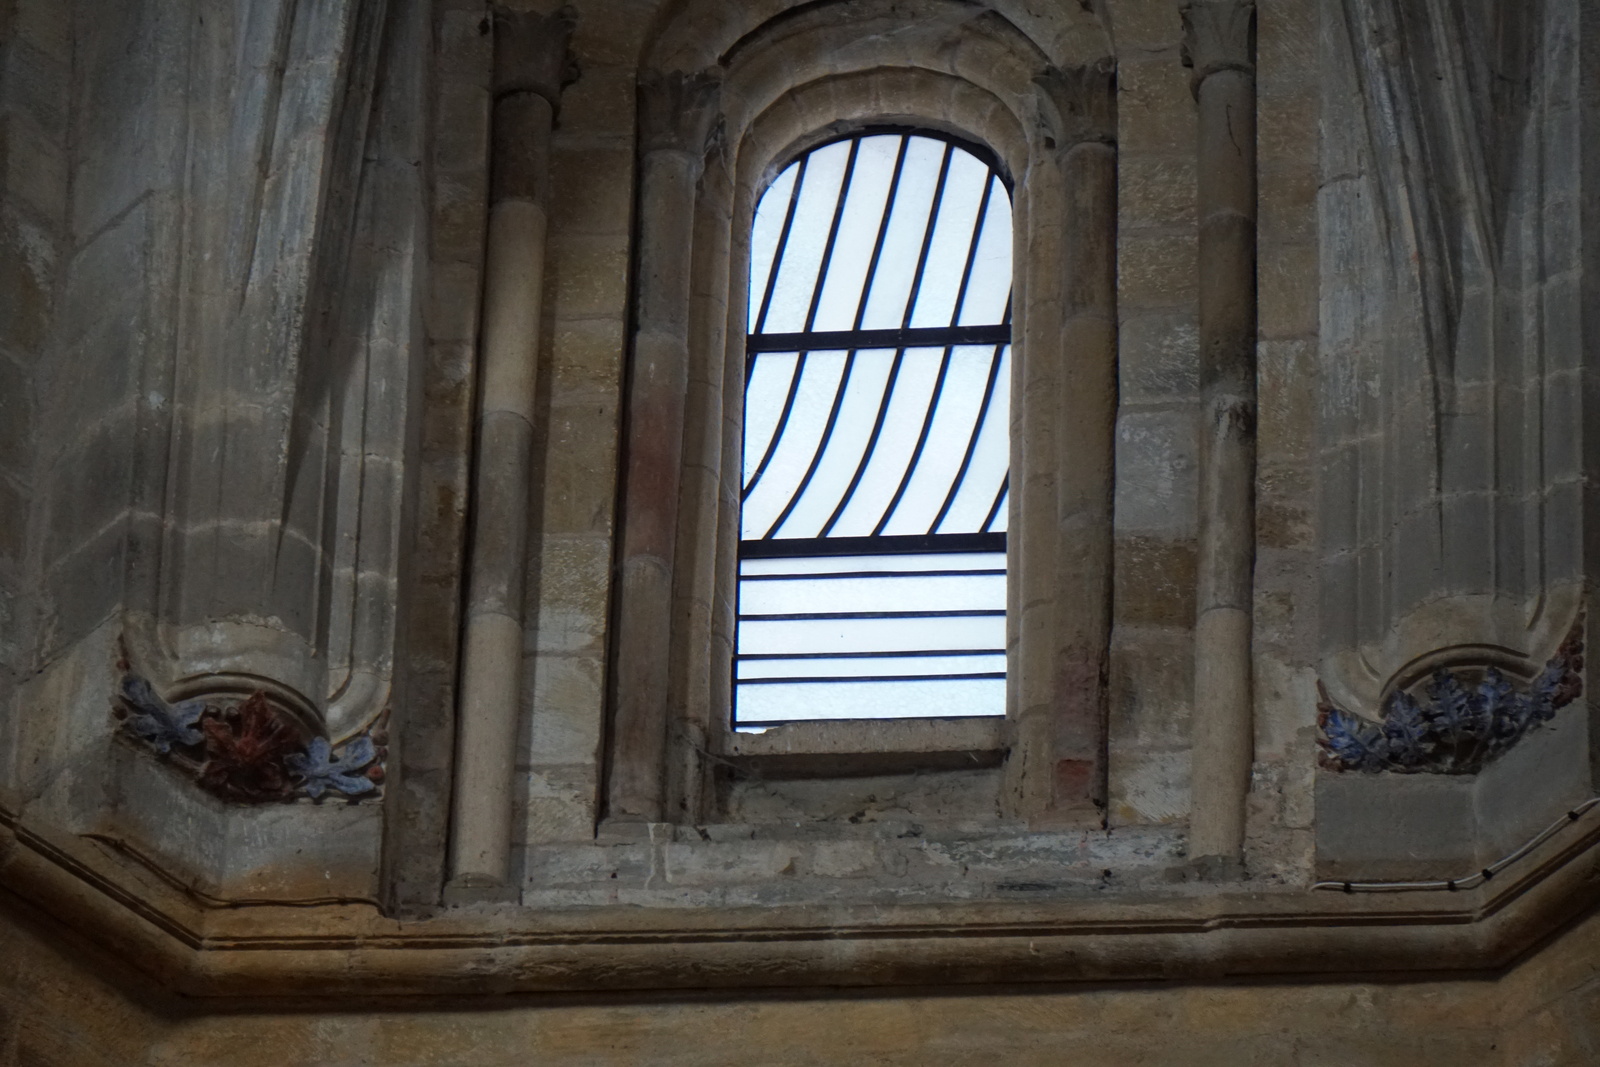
point(709, 142)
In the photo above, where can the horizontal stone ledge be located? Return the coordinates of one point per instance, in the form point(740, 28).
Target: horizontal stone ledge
point(1197, 931)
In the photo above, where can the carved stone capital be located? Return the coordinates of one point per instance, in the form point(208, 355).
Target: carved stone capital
point(1079, 104)
point(530, 52)
point(677, 110)
point(1218, 35)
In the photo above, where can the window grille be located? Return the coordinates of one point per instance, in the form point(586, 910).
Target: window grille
point(872, 553)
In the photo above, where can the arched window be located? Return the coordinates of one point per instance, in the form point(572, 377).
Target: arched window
point(872, 551)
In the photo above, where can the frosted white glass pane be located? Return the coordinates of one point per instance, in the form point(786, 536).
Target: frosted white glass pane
point(766, 388)
point(908, 406)
point(846, 446)
point(955, 418)
point(908, 592)
point(819, 381)
point(764, 235)
point(789, 636)
point(865, 202)
point(952, 241)
point(792, 701)
point(872, 666)
point(990, 461)
point(990, 286)
point(911, 561)
point(902, 245)
point(813, 217)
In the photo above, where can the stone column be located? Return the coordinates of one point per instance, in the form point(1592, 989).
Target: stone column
point(529, 57)
point(1219, 44)
point(1069, 730)
point(676, 111)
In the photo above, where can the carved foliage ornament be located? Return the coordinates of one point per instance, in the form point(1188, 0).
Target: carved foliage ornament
point(248, 751)
point(1218, 35)
point(1454, 722)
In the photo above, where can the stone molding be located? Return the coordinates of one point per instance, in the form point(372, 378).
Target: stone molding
point(344, 947)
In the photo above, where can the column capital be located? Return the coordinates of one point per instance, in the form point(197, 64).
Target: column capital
point(530, 52)
point(678, 110)
point(1079, 104)
point(1218, 35)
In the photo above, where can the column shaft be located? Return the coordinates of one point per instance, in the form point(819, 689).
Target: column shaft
point(1219, 45)
point(528, 53)
point(675, 115)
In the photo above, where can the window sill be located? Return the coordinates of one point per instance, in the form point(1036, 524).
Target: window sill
point(842, 748)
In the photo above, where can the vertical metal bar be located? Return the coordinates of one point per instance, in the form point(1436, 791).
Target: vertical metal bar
point(872, 441)
point(922, 440)
point(972, 443)
point(999, 498)
point(822, 445)
point(833, 234)
point(783, 244)
point(883, 232)
point(927, 237)
point(783, 420)
point(972, 251)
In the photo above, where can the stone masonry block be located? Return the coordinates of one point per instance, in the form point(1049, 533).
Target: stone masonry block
point(1156, 472)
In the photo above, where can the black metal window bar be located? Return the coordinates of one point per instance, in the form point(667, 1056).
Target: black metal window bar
point(876, 445)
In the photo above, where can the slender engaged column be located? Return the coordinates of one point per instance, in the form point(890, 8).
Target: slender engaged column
point(1071, 727)
point(530, 54)
point(1219, 45)
point(676, 111)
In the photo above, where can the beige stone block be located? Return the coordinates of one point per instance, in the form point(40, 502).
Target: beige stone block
point(454, 302)
point(588, 276)
point(1155, 111)
point(1155, 190)
point(580, 473)
point(566, 695)
point(599, 104)
point(1287, 33)
point(1148, 787)
point(1154, 582)
point(1288, 284)
point(1287, 124)
point(1147, 26)
point(1156, 270)
point(460, 207)
point(574, 589)
point(587, 357)
point(1151, 676)
point(1287, 202)
point(591, 189)
point(1285, 506)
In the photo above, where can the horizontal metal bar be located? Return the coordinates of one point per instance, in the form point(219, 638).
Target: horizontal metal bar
point(871, 655)
point(808, 576)
point(796, 547)
point(872, 678)
point(845, 340)
point(832, 616)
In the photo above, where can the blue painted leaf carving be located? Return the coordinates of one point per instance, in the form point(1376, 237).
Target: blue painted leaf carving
point(319, 770)
point(155, 722)
point(1469, 715)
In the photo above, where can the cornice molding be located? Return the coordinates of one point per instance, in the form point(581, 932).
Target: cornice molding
point(248, 949)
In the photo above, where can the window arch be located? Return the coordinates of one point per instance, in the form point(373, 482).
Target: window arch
point(872, 574)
